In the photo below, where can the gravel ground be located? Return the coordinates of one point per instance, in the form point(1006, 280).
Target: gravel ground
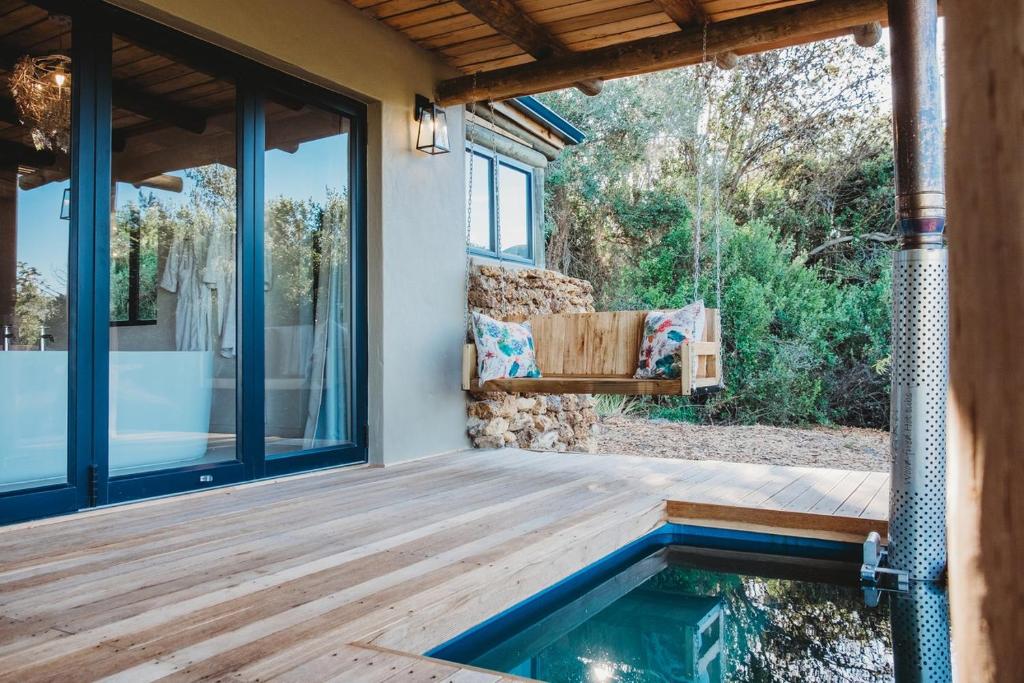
point(847, 448)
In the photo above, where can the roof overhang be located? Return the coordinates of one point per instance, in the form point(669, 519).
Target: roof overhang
point(514, 48)
point(549, 118)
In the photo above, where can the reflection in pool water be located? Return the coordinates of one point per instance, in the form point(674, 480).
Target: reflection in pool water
point(679, 616)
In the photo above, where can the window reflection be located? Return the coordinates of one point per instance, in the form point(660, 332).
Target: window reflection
point(515, 212)
point(173, 266)
point(308, 312)
point(511, 225)
point(480, 204)
point(34, 257)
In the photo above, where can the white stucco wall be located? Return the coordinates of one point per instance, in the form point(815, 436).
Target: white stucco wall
point(416, 234)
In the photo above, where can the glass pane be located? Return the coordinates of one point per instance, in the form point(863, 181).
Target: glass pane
point(172, 265)
point(480, 209)
point(34, 223)
point(515, 212)
point(307, 279)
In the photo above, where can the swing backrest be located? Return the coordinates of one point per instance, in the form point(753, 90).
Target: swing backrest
point(603, 344)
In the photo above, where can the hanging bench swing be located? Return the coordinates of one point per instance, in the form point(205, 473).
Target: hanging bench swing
point(597, 353)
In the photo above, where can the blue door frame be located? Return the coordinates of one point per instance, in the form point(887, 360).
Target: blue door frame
point(88, 482)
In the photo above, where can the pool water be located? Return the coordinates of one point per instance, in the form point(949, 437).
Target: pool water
point(675, 613)
point(678, 615)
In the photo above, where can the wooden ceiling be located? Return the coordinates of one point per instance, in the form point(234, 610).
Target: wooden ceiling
point(507, 37)
point(167, 114)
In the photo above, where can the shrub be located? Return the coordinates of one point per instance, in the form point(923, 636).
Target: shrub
point(797, 347)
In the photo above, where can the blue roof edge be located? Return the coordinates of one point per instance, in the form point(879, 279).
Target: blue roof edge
point(550, 118)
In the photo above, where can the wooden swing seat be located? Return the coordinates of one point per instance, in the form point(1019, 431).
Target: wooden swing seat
point(596, 353)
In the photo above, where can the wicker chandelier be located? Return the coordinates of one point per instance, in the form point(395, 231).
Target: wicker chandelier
point(41, 87)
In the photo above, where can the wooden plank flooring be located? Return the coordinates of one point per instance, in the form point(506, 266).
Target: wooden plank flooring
point(347, 575)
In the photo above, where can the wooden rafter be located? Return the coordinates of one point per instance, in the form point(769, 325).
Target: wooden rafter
point(9, 112)
point(159, 109)
point(685, 13)
point(742, 35)
point(512, 23)
point(15, 152)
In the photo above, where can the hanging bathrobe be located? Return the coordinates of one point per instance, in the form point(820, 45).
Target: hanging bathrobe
point(221, 275)
point(183, 276)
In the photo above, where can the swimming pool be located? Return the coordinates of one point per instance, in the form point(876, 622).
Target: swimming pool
point(688, 603)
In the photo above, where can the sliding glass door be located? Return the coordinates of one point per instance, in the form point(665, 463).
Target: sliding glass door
point(182, 298)
point(308, 303)
point(173, 339)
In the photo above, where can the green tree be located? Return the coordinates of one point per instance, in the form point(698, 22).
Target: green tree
point(37, 305)
point(796, 143)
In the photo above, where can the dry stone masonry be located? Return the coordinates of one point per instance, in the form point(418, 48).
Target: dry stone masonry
point(551, 423)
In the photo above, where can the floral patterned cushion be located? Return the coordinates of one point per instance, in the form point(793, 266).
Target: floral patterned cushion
point(664, 333)
point(503, 349)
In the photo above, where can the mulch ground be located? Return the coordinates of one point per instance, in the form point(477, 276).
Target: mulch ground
point(840, 448)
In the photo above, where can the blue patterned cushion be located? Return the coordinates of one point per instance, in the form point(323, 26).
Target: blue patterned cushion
point(503, 349)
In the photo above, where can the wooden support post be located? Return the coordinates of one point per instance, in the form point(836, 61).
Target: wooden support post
point(985, 108)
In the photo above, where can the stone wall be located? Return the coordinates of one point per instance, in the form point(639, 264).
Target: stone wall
point(551, 423)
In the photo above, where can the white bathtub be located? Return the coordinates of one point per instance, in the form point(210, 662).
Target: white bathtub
point(159, 408)
point(159, 412)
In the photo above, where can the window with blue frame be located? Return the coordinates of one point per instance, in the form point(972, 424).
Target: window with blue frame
point(185, 283)
point(500, 209)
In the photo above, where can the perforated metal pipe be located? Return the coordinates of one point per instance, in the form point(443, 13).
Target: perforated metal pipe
point(920, 291)
point(920, 634)
point(920, 362)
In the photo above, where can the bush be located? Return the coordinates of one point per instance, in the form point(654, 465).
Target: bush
point(797, 347)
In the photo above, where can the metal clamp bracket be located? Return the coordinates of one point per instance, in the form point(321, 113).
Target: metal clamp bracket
point(875, 577)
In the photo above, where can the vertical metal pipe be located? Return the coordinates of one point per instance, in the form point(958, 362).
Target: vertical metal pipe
point(920, 634)
point(920, 343)
point(920, 347)
point(917, 122)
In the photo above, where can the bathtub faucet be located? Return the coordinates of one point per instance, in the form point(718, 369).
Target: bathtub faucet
point(8, 336)
point(44, 337)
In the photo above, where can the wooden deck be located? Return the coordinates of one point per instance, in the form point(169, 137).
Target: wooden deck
point(347, 575)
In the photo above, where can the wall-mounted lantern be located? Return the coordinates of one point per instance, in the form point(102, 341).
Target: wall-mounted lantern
point(432, 137)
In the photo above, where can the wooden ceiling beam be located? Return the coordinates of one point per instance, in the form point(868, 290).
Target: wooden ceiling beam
point(15, 152)
point(742, 35)
point(686, 13)
point(9, 112)
point(512, 23)
point(159, 109)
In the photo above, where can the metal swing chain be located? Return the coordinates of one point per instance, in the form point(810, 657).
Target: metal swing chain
point(698, 223)
point(497, 183)
point(469, 199)
point(718, 233)
point(469, 216)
